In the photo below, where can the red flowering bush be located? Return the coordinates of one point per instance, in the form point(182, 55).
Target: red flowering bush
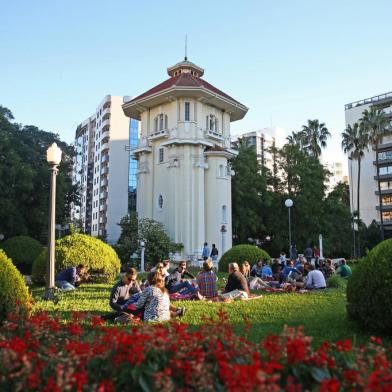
point(42, 354)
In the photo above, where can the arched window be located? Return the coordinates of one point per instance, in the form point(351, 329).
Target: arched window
point(221, 171)
point(160, 201)
point(224, 214)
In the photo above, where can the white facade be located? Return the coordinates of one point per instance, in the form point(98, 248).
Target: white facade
point(184, 175)
point(101, 143)
point(368, 197)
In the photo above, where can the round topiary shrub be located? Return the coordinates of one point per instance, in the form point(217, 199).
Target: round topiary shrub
point(13, 293)
point(99, 258)
point(23, 250)
point(240, 253)
point(369, 290)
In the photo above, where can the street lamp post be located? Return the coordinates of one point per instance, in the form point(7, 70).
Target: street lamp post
point(142, 245)
point(289, 203)
point(53, 157)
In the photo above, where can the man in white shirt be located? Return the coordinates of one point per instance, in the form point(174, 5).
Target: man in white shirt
point(315, 279)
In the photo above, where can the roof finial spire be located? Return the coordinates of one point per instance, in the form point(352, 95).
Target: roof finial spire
point(186, 47)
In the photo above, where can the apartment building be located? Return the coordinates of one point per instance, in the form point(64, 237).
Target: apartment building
point(337, 174)
point(101, 168)
point(370, 176)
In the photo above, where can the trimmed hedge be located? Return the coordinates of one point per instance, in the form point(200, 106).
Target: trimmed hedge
point(240, 253)
point(14, 292)
point(98, 257)
point(369, 290)
point(23, 250)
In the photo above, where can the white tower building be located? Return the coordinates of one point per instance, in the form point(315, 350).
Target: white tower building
point(184, 152)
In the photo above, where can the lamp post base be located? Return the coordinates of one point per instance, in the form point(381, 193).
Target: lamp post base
point(50, 294)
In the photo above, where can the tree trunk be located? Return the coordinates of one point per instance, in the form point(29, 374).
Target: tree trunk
point(379, 197)
point(358, 213)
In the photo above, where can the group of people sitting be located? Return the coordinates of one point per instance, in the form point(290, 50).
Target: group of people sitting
point(150, 300)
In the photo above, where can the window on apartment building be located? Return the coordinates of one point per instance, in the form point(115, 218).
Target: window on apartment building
point(161, 155)
point(387, 216)
point(384, 185)
point(382, 156)
point(385, 170)
point(187, 111)
point(387, 200)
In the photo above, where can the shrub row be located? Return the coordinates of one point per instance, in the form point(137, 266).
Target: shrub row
point(174, 357)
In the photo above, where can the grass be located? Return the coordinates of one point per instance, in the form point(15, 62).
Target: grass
point(322, 313)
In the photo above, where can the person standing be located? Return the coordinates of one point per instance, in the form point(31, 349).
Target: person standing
point(214, 253)
point(293, 253)
point(206, 251)
point(308, 253)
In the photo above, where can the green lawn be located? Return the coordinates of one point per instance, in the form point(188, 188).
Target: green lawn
point(322, 313)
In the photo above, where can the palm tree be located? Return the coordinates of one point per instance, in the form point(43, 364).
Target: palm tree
point(314, 137)
point(355, 142)
point(377, 126)
point(295, 139)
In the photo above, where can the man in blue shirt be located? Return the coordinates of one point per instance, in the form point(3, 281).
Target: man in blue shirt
point(206, 252)
point(69, 278)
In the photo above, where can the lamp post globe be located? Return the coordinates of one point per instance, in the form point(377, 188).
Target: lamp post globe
point(53, 157)
point(289, 203)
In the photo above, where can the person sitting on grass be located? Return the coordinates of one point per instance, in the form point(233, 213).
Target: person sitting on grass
point(176, 284)
point(155, 302)
point(326, 268)
point(237, 286)
point(315, 279)
point(70, 278)
point(206, 280)
point(266, 272)
point(344, 270)
point(254, 282)
point(257, 269)
point(289, 268)
point(121, 292)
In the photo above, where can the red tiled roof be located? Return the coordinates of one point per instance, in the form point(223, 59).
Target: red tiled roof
point(184, 80)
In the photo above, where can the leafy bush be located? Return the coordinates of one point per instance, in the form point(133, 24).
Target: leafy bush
point(240, 253)
point(369, 290)
point(23, 250)
point(13, 293)
point(213, 359)
point(98, 257)
point(336, 281)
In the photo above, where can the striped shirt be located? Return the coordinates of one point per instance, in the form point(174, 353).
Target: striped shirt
point(206, 280)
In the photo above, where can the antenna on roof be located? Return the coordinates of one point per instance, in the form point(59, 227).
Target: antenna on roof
point(186, 47)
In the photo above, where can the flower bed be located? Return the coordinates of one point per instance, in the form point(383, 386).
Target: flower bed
point(42, 354)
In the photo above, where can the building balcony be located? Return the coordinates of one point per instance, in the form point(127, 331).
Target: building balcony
point(102, 219)
point(103, 195)
point(102, 232)
point(105, 135)
point(105, 124)
point(384, 192)
point(104, 170)
point(214, 135)
point(103, 207)
point(383, 162)
point(106, 111)
point(383, 177)
point(105, 158)
point(104, 182)
point(104, 146)
point(385, 207)
point(158, 134)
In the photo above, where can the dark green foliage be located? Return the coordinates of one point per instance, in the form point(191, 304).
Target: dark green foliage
point(98, 257)
point(336, 281)
point(369, 290)
point(127, 244)
point(14, 292)
point(240, 253)
point(23, 251)
point(24, 173)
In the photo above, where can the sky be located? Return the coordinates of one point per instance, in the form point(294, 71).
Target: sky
point(287, 61)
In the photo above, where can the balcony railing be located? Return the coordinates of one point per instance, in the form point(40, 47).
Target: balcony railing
point(103, 195)
point(105, 158)
point(371, 100)
point(104, 146)
point(159, 134)
point(214, 134)
point(103, 207)
point(104, 170)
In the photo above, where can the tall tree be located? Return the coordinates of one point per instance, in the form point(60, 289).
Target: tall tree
point(24, 173)
point(314, 136)
point(355, 141)
point(247, 190)
point(377, 126)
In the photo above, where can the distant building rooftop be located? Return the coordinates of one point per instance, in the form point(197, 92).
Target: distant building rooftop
point(378, 99)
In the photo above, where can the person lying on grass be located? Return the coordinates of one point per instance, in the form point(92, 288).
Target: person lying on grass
point(237, 286)
point(122, 291)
